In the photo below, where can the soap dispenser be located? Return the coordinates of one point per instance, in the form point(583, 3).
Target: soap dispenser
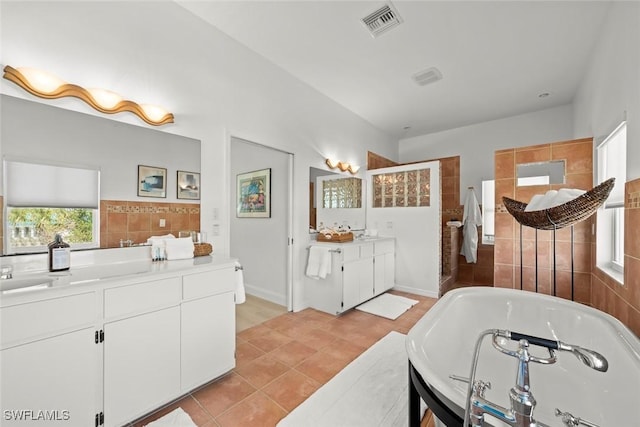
point(59, 254)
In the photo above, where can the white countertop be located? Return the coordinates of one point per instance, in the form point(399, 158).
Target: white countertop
point(359, 241)
point(44, 284)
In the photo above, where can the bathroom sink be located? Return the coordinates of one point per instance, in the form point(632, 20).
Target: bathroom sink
point(442, 344)
point(26, 284)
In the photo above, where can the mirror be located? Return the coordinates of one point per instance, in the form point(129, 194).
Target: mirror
point(540, 173)
point(313, 174)
point(335, 187)
point(41, 133)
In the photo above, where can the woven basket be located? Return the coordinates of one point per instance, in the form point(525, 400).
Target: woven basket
point(202, 249)
point(335, 238)
point(569, 213)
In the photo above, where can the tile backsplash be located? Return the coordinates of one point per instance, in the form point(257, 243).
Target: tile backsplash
point(137, 221)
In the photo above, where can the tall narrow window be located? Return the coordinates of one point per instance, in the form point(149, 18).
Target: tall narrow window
point(488, 211)
point(612, 162)
point(44, 200)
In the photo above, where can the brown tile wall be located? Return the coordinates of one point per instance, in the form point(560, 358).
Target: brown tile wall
point(450, 250)
point(623, 301)
point(578, 155)
point(1, 222)
point(138, 221)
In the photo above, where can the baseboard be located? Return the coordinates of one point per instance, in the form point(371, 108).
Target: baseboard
point(417, 291)
point(265, 294)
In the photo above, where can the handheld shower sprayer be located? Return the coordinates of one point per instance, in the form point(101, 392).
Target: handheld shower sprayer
point(591, 358)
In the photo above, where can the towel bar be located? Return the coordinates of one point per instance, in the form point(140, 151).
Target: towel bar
point(337, 251)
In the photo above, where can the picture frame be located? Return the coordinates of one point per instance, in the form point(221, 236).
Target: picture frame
point(188, 185)
point(253, 190)
point(152, 181)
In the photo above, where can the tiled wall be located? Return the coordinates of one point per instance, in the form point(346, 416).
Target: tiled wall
point(2, 224)
point(450, 250)
point(578, 155)
point(137, 221)
point(623, 301)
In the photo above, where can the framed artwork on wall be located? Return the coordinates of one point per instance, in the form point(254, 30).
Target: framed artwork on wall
point(254, 194)
point(152, 181)
point(188, 185)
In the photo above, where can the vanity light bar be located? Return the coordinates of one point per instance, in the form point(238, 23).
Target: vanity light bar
point(44, 85)
point(343, 166)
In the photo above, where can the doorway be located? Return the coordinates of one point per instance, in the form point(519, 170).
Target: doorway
point(262, 243)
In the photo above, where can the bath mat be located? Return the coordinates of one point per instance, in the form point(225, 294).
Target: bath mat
point(370, 391)
point(175, 418)
point(387, 305)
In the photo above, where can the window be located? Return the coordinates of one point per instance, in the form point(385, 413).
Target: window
point(612, 162)
point(488, 211)
point(44, 200)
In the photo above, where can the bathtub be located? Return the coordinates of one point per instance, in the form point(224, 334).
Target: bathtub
point(442, 344)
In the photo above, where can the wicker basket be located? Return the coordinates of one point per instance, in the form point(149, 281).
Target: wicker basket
point(569, 213)
point(335, 237)
point(202, 249)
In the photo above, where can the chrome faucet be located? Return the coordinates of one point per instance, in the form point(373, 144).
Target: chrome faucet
point(520, 414)
point(6, 272)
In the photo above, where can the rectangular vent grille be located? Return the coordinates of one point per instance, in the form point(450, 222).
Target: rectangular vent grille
point(382, 20)
point(427, 76)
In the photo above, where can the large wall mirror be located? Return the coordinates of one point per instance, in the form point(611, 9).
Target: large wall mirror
point(336, 200)
point(34, 132)
point(540, 173)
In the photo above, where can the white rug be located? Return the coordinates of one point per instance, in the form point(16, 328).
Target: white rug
point(175, 418)
point(387, 305)
point(370, 391)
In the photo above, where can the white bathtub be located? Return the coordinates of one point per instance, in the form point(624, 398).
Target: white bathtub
point(442, 343)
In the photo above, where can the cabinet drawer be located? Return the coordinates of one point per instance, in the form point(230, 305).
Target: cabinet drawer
point(385, 247)
point(141, 297)
point(208, 283)
point(41, 319)
point(366, 250)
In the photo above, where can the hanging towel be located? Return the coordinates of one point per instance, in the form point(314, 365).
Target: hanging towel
point(319, 263)
point(240, 295)
point(471, 219)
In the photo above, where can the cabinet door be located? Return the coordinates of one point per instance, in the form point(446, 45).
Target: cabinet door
point(389, 271)
point(57, 375)
point(141, 364)
point(357, 282)
point(365, 278)
point(379, 267)
point(208, 339)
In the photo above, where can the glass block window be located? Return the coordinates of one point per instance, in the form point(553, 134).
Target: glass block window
point(402, 189)
point(342, 193)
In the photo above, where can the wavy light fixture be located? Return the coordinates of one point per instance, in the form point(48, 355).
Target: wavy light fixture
point(44, 85)
point(343, 166)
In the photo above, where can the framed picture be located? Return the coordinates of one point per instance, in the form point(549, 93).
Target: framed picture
point(152, 181)
point(254, 194)
point(188, 185)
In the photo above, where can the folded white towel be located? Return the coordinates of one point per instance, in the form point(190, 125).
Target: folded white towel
point(240, 294)
point(154, 240)
point(552, 198)
point(181, 248)
point(319, 262)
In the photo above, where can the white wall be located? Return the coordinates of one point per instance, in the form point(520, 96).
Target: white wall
point(157, 52)
point(38, 132)
point(611, 87)
point(476, 144)
point(417, 232)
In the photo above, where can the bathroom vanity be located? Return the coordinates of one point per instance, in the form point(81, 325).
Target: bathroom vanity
point(360, 270)
point(106, 344)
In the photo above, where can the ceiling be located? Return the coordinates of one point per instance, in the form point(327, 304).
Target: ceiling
point(496, 58)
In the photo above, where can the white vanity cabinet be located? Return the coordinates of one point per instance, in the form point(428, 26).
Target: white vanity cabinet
point(49, 362)
point(360, 270)
point(207, 327)
point(384, 263)
point(107, 353)
point(141, 349)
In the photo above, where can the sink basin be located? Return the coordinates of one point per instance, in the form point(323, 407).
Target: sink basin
point(442, 343)
point(26, 284)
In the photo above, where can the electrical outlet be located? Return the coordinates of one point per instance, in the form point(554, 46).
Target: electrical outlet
point(163, 222)
point(389, 224)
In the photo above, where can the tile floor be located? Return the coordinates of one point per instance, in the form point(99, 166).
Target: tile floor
point(282, 361)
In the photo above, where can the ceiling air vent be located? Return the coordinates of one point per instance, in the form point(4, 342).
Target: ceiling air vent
point(427, 76)
point(382, 20)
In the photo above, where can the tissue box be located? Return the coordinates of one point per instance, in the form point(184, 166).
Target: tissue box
point(202, 249)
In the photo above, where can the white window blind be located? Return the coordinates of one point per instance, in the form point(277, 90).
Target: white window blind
point(612, 164)
point(40, 185)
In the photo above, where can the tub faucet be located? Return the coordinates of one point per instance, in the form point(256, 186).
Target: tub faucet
point(520, 414)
